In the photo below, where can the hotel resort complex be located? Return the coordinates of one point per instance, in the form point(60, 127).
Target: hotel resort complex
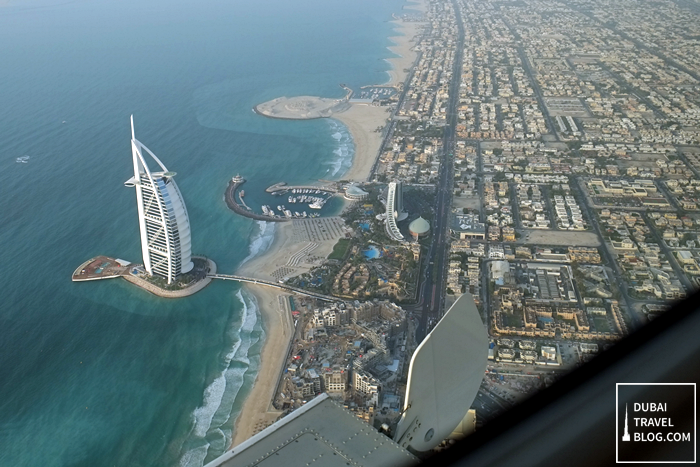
point(163, 221)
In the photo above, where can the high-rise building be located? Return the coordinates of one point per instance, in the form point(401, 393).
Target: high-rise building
point(394, 210)
point(163, 220)
point(400, 213)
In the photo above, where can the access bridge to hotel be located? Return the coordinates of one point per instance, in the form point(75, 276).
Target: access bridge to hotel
point(277, 285)
point(104, 267)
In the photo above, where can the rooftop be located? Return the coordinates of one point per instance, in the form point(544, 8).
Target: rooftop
point(419, 226)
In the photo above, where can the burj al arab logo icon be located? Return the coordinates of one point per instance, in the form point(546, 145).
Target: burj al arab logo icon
point(626, 435)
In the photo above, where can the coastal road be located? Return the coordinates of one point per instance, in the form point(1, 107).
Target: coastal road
point(392, 123)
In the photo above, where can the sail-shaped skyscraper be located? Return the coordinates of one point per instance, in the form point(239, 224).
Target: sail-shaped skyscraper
point(163, 221)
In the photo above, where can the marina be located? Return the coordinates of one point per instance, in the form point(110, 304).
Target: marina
point(282, 188)
point(374, 93)
point(300, 198)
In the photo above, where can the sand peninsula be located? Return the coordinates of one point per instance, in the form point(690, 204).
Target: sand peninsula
point(302, 107)
point(362, 120)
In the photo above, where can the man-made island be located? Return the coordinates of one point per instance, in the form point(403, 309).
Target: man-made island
point(169, 269)
point(104, 267)
point(302, 107)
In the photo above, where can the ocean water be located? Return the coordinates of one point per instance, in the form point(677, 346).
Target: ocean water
point(103, 373)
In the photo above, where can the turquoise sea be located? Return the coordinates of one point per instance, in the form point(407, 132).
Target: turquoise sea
point(102, 373)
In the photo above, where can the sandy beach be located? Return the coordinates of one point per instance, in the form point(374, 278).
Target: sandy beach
point(363, 121)
point(290, 240)
point(404, 42)
point(257, 412)
point(288, 253)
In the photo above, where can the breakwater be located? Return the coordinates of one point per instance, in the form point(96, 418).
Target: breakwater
point(230, 198)
point(282, 186)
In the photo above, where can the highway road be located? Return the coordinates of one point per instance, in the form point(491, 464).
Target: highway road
point(432, 289)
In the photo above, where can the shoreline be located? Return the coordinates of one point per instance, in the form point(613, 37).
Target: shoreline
point(403, 47)
point(257, 411)
point(362, 121)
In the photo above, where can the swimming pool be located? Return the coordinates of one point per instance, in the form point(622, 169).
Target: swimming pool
point(372, 252)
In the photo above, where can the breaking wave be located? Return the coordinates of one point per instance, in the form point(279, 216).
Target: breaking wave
point(210, 421)
point(260, 241)
point(344, 151)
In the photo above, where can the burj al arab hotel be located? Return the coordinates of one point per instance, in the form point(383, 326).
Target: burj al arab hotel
point(163, 220)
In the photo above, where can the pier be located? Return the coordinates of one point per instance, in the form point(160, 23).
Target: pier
point(276, 285)
point(241, 194)
point(104, 267)
point(230, 197)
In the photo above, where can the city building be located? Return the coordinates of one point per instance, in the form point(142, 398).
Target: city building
point(367, 385)
point(335, 381)
point(400, 213)
point(394, 206)
point(419, 228)
point(355, 193)
point(548, 352)
point(163, 221)
point(468, 227)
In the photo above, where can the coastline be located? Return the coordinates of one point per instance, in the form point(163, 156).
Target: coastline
point(362, 120)
point(403, 47)
point(257, 411)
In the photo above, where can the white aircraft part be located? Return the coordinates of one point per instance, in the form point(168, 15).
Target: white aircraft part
point(320, 433)
point(444, 377)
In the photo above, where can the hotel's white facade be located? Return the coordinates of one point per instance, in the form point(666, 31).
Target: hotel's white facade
point(394, 211)
point(163, 221)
